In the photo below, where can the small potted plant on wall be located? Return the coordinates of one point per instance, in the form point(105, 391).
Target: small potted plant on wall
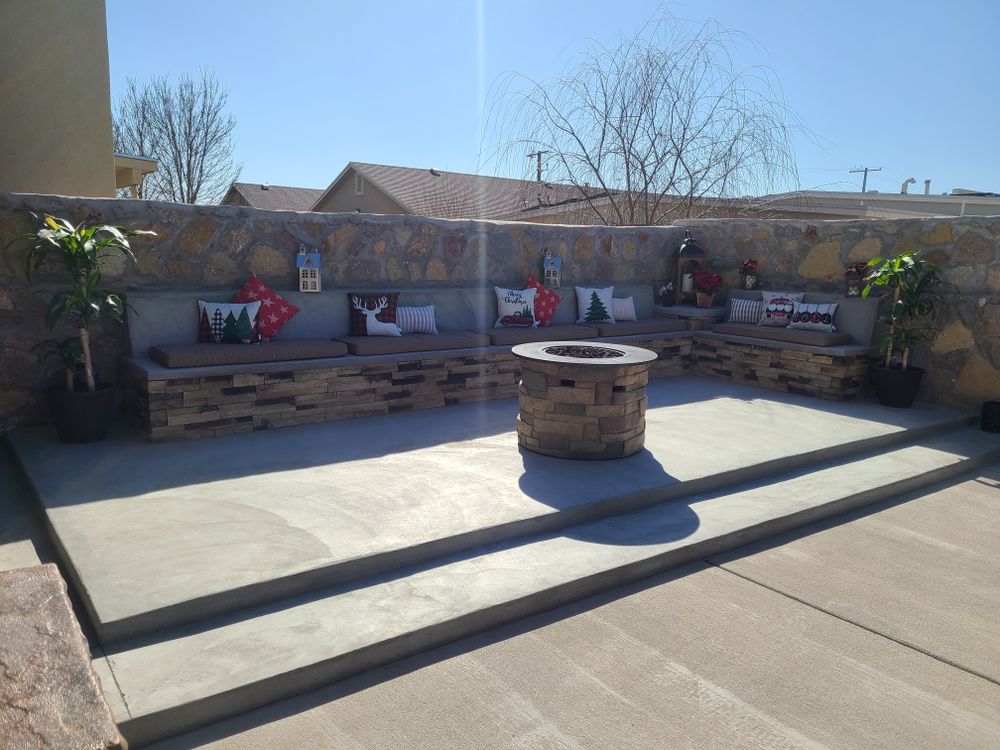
point(706, 284)
point(748, 273)
point(914, 289)
point(82, 409)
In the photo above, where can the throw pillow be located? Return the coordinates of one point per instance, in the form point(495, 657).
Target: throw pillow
point(416, 319)
point(778, 307)
point(594, 305)
point(229, 323)
point(275, 310)
point(745, 310)
point(515, 307)
point(623, 309)
point(546, 301)
point(814, 317)
point(373, 314)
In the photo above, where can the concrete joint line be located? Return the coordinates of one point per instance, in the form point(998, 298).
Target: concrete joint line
point(905, 644)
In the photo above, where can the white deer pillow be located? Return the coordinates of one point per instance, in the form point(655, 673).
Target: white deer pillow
point(373, 314)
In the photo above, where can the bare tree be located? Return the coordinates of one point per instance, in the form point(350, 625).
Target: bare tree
point(187, 130)
point(660, 127)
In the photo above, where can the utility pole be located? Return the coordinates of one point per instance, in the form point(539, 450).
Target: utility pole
point(538, 170)
point(866, 170)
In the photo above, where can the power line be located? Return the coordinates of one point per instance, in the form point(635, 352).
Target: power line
point(866, 170)
point(538, 155)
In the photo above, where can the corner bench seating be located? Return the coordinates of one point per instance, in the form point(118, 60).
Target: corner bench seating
point(313, 371)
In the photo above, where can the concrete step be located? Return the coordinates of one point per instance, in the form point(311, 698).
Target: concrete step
point(192, 676)
point(257, 519)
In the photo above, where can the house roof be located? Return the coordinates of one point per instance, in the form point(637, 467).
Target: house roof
point(457, 195)
point(275, 197)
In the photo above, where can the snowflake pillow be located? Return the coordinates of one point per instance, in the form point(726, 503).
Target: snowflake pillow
point(228, 323)
point(594, 305)
point(515, 308)
point(546, 301)
point(275, 310)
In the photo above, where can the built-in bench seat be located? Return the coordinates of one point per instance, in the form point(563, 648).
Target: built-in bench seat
point(413, 342)
point(203, 355)
point(786, 335)
point(566, 332)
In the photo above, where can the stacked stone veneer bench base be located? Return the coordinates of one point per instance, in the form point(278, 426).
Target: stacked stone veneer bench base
point(804, 370)
point(165, 404)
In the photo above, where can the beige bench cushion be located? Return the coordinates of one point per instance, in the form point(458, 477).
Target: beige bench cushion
point(791, 335)
point(512, 336)
point(196, 355)
point(414, 342)
point(632, 327)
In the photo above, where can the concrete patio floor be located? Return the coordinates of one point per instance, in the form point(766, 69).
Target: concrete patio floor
point(158, 533)
point(878, 629)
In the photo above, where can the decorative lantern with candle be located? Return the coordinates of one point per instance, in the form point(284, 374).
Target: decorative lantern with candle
point(854, 278)
point(690, 258)
point(748, 273)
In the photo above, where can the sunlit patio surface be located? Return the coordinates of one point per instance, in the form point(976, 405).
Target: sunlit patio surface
point(224, 573)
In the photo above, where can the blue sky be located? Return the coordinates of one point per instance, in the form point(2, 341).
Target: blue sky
point(909, 85)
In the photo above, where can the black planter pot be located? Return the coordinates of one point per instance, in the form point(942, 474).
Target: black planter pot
point(897, 388)
point(82, 416)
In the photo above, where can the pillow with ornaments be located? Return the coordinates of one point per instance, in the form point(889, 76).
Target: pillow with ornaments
point(374, 314)
point(778, 308)
point(546, 302)
point(814, 317)
point(594, 305)
point(515, 308)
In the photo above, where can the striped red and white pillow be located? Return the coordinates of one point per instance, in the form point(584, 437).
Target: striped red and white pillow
point(416, 319)
point(745, 310)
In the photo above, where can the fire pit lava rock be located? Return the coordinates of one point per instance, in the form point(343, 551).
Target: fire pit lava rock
point(582, 400)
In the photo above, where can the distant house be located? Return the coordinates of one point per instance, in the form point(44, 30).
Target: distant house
point(272, 197)
point(383, 189)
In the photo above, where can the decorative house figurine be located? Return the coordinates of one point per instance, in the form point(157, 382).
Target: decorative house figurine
point(552, 268)
point(309, 270)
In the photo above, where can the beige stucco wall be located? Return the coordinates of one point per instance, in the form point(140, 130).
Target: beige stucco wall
point(55, 96)
point(343, 199)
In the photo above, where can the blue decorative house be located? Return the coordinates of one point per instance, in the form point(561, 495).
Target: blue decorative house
point(307, 262)
point(552, 270)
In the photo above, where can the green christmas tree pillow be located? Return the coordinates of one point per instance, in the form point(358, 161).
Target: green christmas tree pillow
point(228, 322)
point(594, 305)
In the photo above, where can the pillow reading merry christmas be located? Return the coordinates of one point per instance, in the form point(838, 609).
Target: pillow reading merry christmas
point(778, 307)
point(275, 310)
point(515, 308)
point(546, 301)
point(594, 305)
point(228, 323)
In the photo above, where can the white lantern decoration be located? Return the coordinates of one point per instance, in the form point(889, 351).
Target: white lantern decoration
point(310, 279)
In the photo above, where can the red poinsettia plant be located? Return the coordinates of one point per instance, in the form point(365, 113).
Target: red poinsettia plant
point(707, 282)
point(748, 265)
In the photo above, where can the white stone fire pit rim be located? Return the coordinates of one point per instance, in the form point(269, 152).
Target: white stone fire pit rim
point(535, 351)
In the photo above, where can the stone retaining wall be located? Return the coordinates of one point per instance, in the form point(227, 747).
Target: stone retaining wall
point(216, 247)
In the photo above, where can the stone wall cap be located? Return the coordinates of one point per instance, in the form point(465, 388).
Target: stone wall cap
point(537, 351)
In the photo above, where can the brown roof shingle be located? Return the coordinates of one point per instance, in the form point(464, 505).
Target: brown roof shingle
point(273, 197)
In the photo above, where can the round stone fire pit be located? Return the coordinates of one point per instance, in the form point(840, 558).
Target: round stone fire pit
point(581, 399)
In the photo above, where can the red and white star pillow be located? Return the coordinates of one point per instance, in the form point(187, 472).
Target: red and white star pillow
point(546, 301)
point(275, 310)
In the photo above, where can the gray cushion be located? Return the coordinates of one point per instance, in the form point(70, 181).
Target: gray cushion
point(197, 355)
point(632, 327)
point(512, 336)
point(790, 335)
point(414, 342)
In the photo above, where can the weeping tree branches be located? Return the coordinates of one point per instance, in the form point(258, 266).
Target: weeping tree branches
point(186, 128)
point(661, 127)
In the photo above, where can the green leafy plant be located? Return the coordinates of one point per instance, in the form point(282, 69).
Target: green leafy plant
point(80, 249)
point(68, 350)
point(915, 287)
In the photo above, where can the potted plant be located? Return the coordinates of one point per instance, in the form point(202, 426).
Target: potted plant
point(706, 284)
point(748, 273)
point(914, 285)
point(81, 411)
